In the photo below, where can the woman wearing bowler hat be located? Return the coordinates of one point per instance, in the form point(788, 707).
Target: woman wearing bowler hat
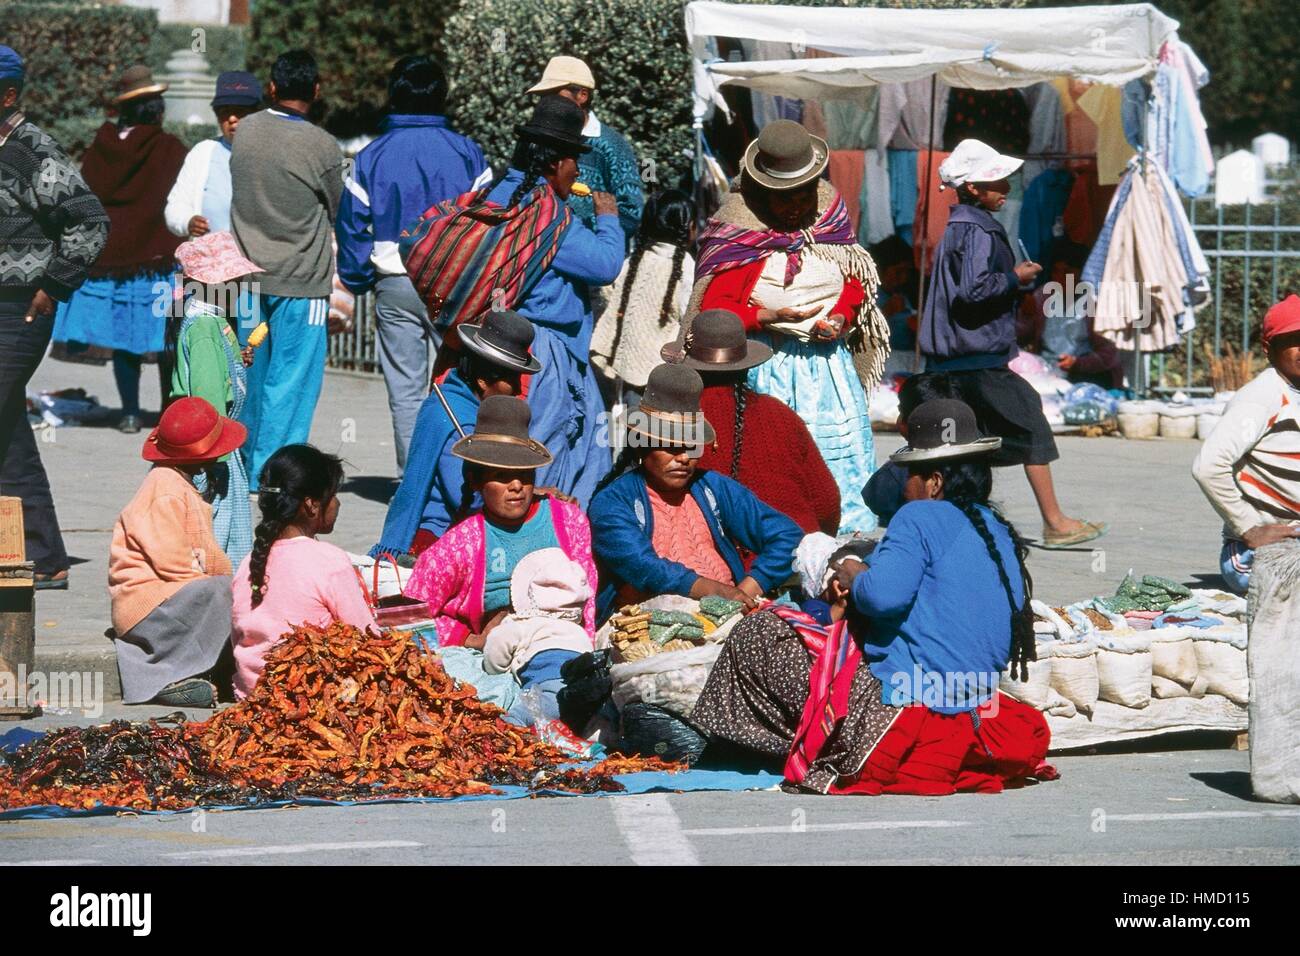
point(168, 579)
point(465, 575)
point(760, 442)
point(130, 166)
point(901, 696)
point(781, 254)
point(493, 360)
point(669, 527)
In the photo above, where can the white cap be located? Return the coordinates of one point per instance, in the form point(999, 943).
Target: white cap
point(976, 162)
point(562, 71)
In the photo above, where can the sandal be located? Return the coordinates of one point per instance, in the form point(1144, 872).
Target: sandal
point(1088, 532)
point(58, 581)
point(191, 692)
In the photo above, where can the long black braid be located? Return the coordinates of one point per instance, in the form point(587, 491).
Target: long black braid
point(292, 474)
point(742, 398)
point(667, 217)
point(967, 484)
point(532, 159)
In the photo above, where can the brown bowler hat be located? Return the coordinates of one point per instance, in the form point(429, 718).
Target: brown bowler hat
point(137, 81)
point(500, 438)
point(669, 415)
point(716, 342)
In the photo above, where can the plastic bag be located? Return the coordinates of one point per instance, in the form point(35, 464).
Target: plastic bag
point(650, 731)
point(554, 732)
point(673, 680)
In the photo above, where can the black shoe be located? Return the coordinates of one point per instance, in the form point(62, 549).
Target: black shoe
point(129, 425)
point(191, 692)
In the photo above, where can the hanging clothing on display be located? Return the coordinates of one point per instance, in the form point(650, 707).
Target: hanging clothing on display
point(877, 217)
point(1103, 105)
point(930, 221)
point(1042, 216)
point(905, 121)
point(847, 169)
point(851, 124)
point(1080, 130)
point(1046, 129)
point(1086, 209)
point(902, 191)
point(999, 118)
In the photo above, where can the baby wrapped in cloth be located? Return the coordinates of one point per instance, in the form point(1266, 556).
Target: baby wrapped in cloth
point(544, 630)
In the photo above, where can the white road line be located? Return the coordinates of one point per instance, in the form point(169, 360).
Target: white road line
point(290, 848)
point(49, 863)
point(1201, 815)
point(651, 830)
point(830, 827)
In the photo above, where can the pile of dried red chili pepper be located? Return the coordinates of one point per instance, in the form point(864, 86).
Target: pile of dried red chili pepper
point(337, 715)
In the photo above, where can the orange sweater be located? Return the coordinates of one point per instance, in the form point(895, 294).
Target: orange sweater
point(162, 541)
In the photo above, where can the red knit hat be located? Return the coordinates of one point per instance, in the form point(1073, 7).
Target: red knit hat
point(1281, 319)
point(190, 432)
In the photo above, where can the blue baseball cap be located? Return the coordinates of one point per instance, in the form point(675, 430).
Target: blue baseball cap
point(236, 88)
point(11, 65)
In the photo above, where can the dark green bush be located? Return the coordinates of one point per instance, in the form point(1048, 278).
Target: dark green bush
point(355, 42)
point(74, 54)
point(226, 47)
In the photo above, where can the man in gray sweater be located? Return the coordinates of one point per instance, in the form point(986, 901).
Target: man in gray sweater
point(286, 179)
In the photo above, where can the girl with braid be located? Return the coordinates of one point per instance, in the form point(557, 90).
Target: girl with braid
point(760, 442)
point(290, 578)
point(644, 308)
point(909, 677)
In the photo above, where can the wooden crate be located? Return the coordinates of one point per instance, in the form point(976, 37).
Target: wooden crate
point(17, 636)
point(12, 548)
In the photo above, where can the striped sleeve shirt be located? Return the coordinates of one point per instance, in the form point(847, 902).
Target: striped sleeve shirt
point(1249, 467)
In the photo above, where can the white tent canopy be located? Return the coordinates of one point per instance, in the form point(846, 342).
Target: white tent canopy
point(971, 48)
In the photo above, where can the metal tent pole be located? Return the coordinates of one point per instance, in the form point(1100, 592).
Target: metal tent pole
point(925, 224)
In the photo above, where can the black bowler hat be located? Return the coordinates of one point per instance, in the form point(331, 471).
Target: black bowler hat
point(556, 122)
point(716, 342)
point(940, 429)
point(237, 88)
point(500, 438)
point(669, 415)
point(503, 338)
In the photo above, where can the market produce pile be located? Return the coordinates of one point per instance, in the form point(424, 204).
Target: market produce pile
point(640, 633)
point(1151, 593)
point(337, 714)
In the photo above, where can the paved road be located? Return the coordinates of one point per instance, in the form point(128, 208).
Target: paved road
point(1137, 809)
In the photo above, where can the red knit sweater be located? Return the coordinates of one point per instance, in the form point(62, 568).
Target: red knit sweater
point(778, 460)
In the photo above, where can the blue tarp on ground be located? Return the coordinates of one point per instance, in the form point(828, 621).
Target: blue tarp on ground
point(648, 782)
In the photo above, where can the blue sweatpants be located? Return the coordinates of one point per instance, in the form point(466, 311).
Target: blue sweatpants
point(285, 378)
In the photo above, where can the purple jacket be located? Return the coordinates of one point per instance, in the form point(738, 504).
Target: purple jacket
point(970, 311)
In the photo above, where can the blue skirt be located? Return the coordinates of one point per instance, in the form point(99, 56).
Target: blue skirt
point(818, 380)
point(126, 314)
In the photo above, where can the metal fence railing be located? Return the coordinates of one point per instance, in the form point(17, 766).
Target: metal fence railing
point(357, 350)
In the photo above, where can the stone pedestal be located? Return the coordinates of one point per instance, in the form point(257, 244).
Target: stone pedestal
point(192, 87)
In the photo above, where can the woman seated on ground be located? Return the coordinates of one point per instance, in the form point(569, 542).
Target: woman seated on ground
point(465, 575)
point(290, 578)
point(669, 527)
point(910, 677)
point(760, 442)
point(493, 360)
point(168, 579)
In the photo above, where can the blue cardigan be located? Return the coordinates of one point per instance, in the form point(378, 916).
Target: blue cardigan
point(622, 527)
point(433, 481)
point(937, 607)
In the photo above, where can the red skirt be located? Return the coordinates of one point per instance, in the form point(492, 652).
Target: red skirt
point(934, 754)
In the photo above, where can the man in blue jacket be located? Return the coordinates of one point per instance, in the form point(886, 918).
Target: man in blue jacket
point(417, 161)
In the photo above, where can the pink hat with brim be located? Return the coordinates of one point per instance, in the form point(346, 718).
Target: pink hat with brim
point(215, 257)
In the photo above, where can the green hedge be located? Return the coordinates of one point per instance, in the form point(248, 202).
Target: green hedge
point(355, 42)
point(226, 47)
point(74, 54)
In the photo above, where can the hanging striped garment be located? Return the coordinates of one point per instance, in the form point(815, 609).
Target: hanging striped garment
point(467, 255)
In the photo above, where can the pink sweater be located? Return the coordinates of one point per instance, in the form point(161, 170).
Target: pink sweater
point(307, 582)
point(451, 573)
